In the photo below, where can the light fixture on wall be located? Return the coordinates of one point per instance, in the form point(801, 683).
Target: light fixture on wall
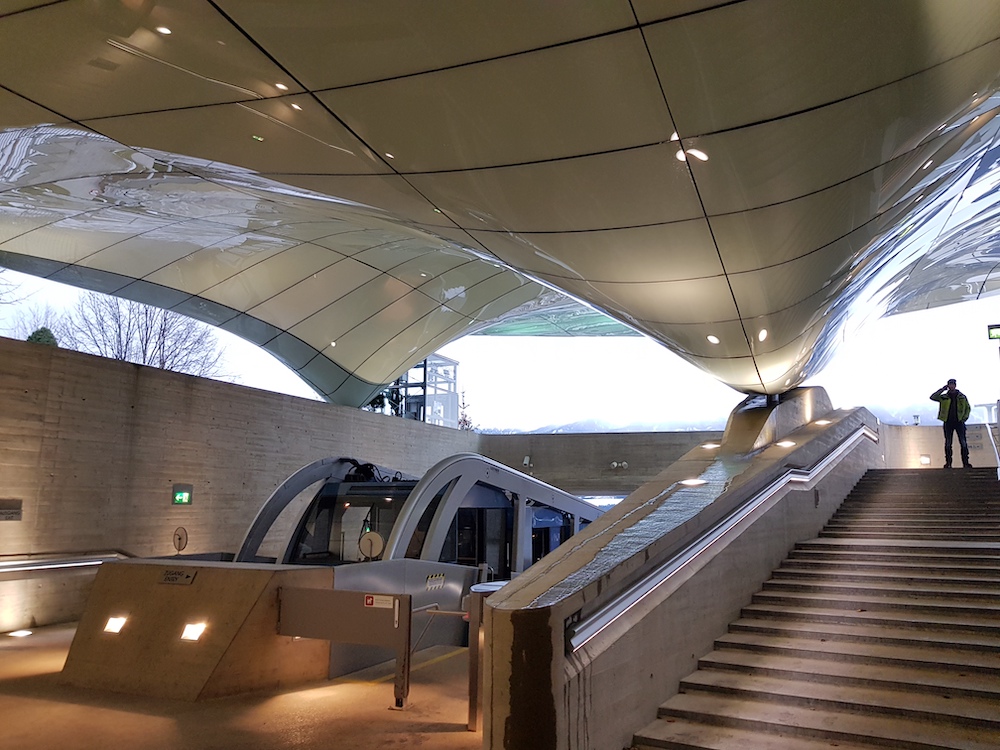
point(925, 460)
point(115, 624)
point(193, 631)
point(619, 464)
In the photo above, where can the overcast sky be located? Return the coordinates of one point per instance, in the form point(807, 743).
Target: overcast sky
point(891, 365)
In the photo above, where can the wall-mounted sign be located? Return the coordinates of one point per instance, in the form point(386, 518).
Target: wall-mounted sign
point(10, 509)
point(183, 494)
point(993, 331)
point(178, 576)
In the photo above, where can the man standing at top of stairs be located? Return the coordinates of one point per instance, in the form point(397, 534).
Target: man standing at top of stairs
point(953, 410)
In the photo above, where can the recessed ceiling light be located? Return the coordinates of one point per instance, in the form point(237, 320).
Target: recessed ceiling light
point(19, 633)
point(296, 106)
point(697, 154)
point(929, 162)
point(193, 631)
point(281, 87)
point(675, 137)
point(680, 155)
point(258, 138)
point(389, 156)
point(333, 343)
point(712, 339)
point(693, 482)
point(710, 445)
point(164, 30)
point(762, 335)
point(785, 443)
point(822, 421)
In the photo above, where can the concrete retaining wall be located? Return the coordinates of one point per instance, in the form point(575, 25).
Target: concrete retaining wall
point(90, 448)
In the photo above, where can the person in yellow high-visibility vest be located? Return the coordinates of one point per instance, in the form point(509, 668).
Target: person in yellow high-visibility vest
point(953, 410)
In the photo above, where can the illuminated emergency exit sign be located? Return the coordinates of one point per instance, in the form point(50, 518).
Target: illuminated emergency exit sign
point(183, 494)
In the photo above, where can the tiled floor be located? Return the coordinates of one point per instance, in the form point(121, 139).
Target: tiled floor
point(37, 712)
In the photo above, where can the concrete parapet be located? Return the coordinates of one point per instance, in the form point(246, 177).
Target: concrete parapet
point(543, 694)
point(239, 651)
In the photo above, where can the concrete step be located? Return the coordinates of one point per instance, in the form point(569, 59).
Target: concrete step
point(899, 554)
point(868, 633)
point(955, 684)
point(950, 548)
point(835, 727)
point(984, 624)
point(847, 565)
point(851, 699)
point(952, 660)
point(970, 535)
point(873, 603)
point(912, 574)
point(988, 593)
point(680, 734)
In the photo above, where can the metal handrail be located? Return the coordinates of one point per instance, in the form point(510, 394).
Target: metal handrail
point(581, 632)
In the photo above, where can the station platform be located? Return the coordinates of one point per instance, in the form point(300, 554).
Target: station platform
point(349, 712)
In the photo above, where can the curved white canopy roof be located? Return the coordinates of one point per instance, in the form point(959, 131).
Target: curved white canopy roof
point(733, 179)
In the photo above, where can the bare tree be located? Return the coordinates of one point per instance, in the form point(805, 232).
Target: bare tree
point(122, 329)
point(27, 320)
point(8, 290)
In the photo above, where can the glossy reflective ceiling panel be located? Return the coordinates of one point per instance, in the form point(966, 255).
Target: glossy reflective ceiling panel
point(388, 178)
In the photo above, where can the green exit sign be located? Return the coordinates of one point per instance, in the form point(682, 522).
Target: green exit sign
point(183, 494)
point(993, 331)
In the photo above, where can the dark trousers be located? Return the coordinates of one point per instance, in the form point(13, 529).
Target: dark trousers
point(950, 428)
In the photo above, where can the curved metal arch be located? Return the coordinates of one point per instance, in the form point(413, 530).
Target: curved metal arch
point(456, 475)
point(324, 468)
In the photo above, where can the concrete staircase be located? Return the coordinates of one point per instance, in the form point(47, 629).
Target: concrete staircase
point(884, 632)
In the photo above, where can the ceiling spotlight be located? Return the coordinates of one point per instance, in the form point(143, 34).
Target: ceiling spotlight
point(709, 446)
point(675, 137)
point(297, 107)
point(258, 138)
point(19, 633)
point(680, 155)
point(164, 30)
point(785, 443)
point(762, 335)
point(712, 339)
point(822, 422)
point(281, 87)
point(929, 162)
point(389, 156)
point(693, 482)
point(333, 343)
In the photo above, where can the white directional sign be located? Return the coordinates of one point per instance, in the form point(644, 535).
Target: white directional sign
point(178, 576)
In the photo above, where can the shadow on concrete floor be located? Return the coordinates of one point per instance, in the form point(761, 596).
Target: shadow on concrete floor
point(351, 712)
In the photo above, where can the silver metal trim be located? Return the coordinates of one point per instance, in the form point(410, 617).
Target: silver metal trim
point(582, 632)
